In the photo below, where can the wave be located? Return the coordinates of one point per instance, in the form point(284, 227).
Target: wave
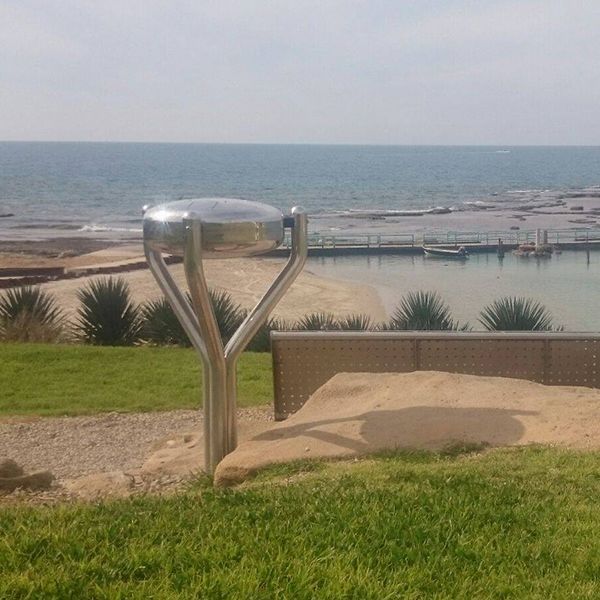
point(382, 213)
point(75, 227)
point(526, 191)
point(475, 204)
point(107, 228)
point(61, 226)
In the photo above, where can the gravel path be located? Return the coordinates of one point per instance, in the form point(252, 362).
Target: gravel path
point(74, 446)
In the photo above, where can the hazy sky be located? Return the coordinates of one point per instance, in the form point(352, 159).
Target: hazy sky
point(323, 71)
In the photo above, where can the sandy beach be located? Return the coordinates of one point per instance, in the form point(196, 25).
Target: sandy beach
point(67, 252)
point(244, 279)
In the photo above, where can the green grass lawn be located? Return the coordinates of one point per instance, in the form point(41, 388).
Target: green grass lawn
point(45, 379)
point(515, 523)
point(510, 523)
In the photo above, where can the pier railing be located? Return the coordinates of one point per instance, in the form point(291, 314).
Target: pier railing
point(451, 238)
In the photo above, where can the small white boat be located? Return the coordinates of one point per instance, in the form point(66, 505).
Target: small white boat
point(460, 253)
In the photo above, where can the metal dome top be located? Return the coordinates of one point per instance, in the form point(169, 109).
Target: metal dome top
point(230, 227)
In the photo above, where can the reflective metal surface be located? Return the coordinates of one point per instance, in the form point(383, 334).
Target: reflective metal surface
point(161, 234)
point(230, 227)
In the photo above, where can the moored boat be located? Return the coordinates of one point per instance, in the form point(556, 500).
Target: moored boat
point(460, 253)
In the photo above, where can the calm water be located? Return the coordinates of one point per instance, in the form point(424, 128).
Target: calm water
point(568, 284)
point(53, 188)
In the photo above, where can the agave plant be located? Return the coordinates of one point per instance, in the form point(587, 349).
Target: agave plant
point(516, 314)
point(355, 322)
point(107, 314)
point(28, 314)
point(160, 324)
point(261, 342)
point(422, 311)
point(318, 321)
point(229, 314)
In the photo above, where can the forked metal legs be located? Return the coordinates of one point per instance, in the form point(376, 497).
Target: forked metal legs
point(200, 324)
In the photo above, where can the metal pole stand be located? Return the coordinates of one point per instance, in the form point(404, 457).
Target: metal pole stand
point(200, 324)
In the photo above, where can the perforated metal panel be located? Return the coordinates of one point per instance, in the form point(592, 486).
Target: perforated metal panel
point(574, 362)
point(523, 358)
point(302, 362)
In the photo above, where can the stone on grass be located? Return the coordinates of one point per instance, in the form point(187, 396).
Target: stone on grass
point(13, 477)
point(9, 468)
point(100, 485)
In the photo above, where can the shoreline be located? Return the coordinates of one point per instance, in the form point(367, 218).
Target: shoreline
point(98, 253)
point(244, 279)
point(572, 208)
point(345, 284)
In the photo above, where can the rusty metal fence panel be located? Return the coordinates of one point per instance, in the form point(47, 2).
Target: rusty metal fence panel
point(304, 361)
point(574, 362)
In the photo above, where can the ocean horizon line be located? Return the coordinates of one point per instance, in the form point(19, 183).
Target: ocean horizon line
point(319, 144)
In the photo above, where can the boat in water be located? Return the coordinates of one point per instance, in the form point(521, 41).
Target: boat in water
point(458, 253)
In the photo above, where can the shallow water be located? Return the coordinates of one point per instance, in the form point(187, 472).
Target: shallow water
point(568, 284)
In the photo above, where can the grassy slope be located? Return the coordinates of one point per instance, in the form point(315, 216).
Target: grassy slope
point(510, 523)
point(68, 380)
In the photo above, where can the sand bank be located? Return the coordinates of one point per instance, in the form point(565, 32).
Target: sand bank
point(69, 253)
point(245, 280)
point(355, 414)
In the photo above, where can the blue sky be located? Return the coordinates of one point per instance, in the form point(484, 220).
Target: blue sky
point(303, 71)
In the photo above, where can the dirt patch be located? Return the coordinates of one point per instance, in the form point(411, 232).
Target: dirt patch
point(357, 413)
point(114, 454)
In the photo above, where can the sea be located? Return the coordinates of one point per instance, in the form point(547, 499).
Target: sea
point(50, 190)
point(60, 189)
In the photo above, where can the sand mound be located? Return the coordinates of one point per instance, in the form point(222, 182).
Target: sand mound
point(358, 413)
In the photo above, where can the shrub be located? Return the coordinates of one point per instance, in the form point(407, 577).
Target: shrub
point(516, 314)
point(107, 315)
point(28, 314)
point(261, 342)
point(355, 322)
point(228, 313)
point(160, 325)
point(318, 321)
point(422, 311)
